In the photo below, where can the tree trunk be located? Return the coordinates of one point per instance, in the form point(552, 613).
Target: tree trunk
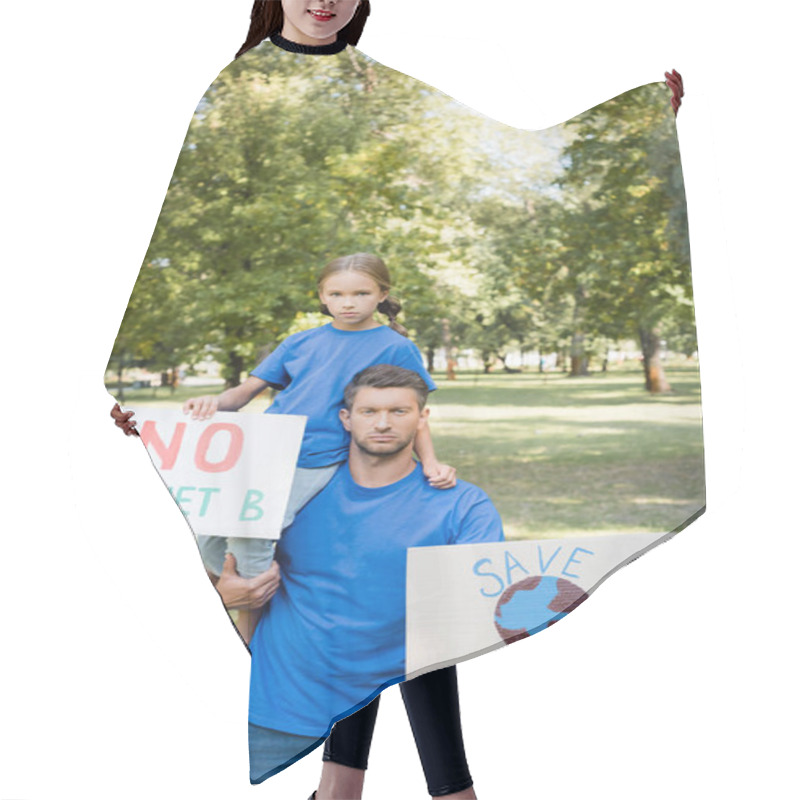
point(234, 370)
point(655, 381)
point(120, 389)
point(579, 363)
point(448, 349)
point(429, 353)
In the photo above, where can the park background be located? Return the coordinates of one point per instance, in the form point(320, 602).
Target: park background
point(673, 681)
point(545, 277)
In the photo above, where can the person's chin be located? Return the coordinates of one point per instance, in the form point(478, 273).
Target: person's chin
point(381, 448)
point(319, 30)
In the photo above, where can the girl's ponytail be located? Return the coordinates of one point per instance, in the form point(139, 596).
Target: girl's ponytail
point(391, 307)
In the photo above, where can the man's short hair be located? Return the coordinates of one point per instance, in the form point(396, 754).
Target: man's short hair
point(386, 376)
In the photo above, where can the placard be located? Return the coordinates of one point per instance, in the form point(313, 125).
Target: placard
point(463, 600)
point(231, 474)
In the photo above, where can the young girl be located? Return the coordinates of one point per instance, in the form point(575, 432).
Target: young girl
point(297, 24)
point(310, 370)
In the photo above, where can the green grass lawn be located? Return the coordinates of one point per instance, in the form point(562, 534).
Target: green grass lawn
point(566, 456)
point(563, 456)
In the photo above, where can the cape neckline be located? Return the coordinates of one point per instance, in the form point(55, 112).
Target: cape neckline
point(308, 49)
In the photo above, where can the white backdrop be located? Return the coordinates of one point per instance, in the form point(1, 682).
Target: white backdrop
point(121, 676)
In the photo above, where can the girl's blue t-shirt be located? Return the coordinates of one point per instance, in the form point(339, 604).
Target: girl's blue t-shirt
point(313, 367)
point(335, 633)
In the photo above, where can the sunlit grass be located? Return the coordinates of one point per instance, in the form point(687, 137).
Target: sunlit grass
point(575, 456)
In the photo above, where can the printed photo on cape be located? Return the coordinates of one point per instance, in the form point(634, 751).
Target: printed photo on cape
point(545, 282)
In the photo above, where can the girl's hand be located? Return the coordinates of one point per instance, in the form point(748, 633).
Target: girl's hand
point(124, 420)
point(440, 476)
point(202, 407)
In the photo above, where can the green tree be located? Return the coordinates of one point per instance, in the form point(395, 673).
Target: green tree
point(285, 166)
point(631, 228)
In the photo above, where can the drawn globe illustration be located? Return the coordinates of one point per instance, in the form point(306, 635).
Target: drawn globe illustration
point(534, 603)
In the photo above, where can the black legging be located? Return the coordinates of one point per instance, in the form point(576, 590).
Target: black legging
point(432, 706)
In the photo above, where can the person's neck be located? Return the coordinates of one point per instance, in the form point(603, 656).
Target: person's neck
point(367, 325)
point(373, 472)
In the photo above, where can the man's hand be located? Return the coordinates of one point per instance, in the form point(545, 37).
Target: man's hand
point(202, 407)
point(124, 420)
point(440, 476)
point(239, 592)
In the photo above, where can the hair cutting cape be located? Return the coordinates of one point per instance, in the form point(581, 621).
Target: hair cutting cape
point(545, 279)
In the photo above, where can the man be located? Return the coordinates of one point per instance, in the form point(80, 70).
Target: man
point(334, 634)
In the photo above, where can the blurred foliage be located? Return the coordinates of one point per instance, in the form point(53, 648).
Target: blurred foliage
point(497, 239)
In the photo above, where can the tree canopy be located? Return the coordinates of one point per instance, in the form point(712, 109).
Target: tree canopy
point(497, 239)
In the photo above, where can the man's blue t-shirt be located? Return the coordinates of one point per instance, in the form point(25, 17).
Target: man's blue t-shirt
point(334, 634)
point(312, 368)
